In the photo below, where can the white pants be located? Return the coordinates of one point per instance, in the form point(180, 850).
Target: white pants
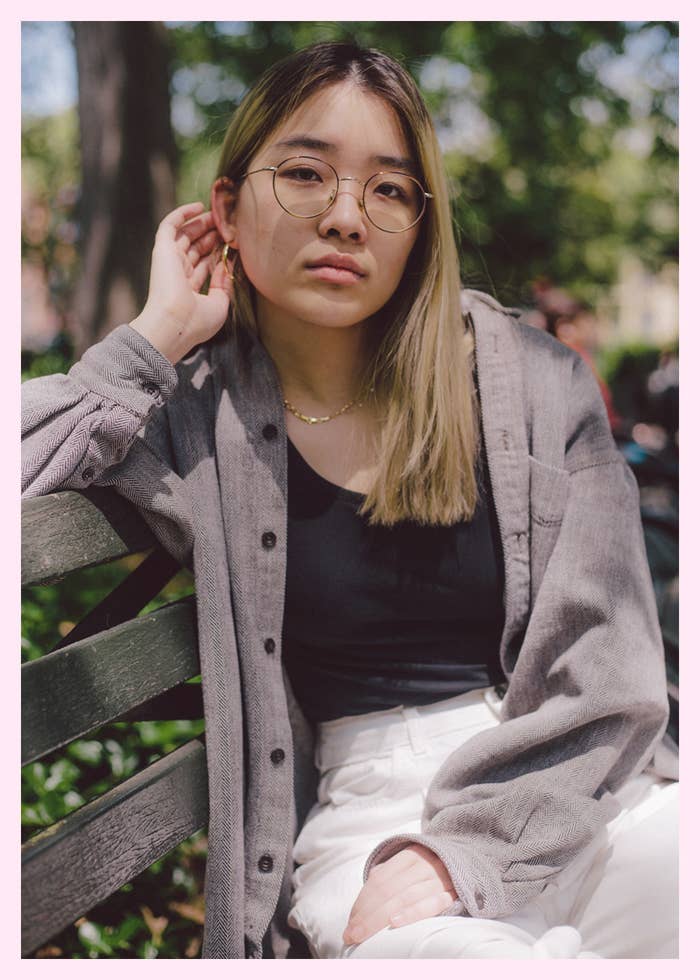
point(617, 899)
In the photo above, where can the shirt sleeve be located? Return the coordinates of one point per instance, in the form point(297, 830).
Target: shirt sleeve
point(104, 423)
point(586, 701)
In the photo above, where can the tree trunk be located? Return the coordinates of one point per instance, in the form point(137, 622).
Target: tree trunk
point(128, 157)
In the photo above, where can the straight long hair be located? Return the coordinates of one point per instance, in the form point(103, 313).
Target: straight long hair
point(421, 356)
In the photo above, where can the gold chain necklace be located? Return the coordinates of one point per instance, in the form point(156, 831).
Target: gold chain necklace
point(313, 419)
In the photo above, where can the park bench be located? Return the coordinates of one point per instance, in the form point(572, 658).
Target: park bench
point(113, 665)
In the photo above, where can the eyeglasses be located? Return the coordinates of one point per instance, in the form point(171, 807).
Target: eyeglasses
point(305, 187)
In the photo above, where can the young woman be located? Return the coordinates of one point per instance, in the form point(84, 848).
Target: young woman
point(398, 504)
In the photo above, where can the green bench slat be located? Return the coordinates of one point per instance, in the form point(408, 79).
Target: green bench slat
point(70, 867)
point(73, 691)
point(62, 532)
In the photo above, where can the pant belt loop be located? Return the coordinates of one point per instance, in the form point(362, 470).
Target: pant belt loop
point(416, 730)
point(493, 701)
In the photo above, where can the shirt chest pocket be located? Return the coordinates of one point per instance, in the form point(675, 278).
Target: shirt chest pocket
point(549, 489)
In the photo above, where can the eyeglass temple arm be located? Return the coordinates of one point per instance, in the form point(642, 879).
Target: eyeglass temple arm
point(258, 171)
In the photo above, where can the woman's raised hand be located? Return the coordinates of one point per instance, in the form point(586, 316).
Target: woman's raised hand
point(177, 316)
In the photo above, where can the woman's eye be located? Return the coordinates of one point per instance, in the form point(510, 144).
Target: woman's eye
point(302, 174)
point(390, 190)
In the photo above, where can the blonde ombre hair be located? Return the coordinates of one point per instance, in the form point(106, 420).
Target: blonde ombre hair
point(420, 363)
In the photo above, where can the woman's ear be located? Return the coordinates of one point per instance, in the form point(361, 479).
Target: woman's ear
point(223, 209)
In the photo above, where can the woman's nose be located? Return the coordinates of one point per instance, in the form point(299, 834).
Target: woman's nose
point(345, 216)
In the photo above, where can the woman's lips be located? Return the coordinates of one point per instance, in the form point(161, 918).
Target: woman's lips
point(332, 273)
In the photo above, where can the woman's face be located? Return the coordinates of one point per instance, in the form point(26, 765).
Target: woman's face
point(352, 130)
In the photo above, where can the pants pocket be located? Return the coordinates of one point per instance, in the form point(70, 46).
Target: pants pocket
point(357, 782)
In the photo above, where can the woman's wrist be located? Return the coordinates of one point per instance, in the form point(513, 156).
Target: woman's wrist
point(168, 337)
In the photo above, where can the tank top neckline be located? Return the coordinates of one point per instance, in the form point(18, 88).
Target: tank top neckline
point(353, 495)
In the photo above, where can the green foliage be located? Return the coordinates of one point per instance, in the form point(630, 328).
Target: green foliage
point(560, 139)
point(538, 121)
point(57, 359)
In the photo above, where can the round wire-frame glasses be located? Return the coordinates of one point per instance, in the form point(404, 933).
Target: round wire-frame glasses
point(362, 203)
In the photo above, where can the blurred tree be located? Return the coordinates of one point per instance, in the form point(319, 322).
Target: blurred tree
point(560, 189)
point(128, 157)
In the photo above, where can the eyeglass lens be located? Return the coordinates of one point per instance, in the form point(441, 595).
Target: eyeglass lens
point(306, 187)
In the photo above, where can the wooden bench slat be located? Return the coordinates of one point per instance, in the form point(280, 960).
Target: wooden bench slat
point(80, 861)
point(65, 531)
point(73, 691)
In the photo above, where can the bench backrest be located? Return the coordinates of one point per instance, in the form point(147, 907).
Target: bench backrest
point(114, 665)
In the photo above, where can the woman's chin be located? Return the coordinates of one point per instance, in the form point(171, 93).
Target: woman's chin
point(335, 310)
point(334, 316)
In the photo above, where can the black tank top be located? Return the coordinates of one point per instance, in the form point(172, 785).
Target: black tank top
point(376, 617)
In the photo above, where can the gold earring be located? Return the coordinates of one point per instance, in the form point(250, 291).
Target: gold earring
point(224, 256)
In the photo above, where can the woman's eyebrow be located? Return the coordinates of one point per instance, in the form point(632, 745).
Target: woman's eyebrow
point(302, 142)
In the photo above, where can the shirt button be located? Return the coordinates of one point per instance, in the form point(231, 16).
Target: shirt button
point(270, 432)
point(88, 473)
point(150, 388)
point(270, 645)
point(277, 756)
point(265, 863)
point(269, 539)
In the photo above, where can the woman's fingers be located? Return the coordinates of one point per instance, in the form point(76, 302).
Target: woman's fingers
point(199, 276)
point(389, 895)
point(203, 258)
point(202, 247)
point(419, 901)
point(194, 230)
point(423, 908)
point(174, 221)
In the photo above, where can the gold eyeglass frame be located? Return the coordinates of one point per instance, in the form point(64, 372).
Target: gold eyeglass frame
point(338, 179)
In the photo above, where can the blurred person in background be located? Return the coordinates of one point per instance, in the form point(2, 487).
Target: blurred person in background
point(574, 323)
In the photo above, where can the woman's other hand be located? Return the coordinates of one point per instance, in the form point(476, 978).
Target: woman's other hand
point(177, 316)
point(413, 884)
